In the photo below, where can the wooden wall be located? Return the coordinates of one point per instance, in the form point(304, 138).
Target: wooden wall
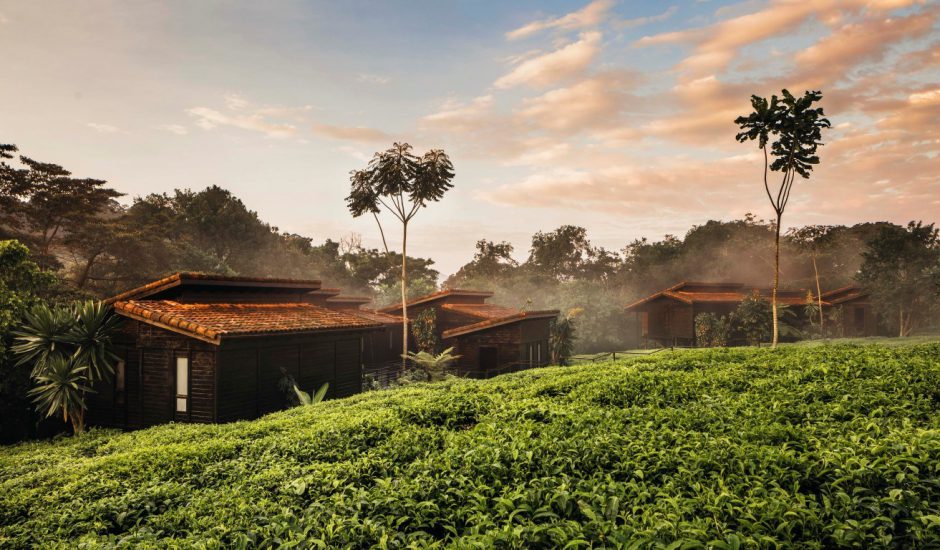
point(250, 369)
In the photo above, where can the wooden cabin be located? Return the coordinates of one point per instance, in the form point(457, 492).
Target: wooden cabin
point(667, 317)
point(490, 339)
point(209, 348)
point(855, 310)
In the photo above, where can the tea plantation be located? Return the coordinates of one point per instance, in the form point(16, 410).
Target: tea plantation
point(815, 447)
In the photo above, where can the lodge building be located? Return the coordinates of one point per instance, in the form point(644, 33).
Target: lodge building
point(667, 317)
point(209, 348)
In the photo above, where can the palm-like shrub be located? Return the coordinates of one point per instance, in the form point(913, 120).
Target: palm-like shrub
point(432, 366)
point(60, 388)
point(305, 398)
point(69, 348)
point(561, 337)
point(43, 335)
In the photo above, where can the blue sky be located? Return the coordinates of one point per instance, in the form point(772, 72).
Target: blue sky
point(611, 115)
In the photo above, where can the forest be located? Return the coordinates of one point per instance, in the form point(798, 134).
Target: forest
point(95, 242)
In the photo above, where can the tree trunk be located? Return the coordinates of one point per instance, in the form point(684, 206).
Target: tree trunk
point(818, 295)
point(900, 321)
point(773, 295)
point(404, 296)
point(86, 270)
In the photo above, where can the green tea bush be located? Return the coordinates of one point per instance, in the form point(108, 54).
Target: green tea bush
point(813, 446)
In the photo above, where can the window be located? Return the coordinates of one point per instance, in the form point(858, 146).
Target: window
point(119, 376)
point(182, 384)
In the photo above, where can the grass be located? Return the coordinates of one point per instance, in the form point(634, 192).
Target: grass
point(816, 446)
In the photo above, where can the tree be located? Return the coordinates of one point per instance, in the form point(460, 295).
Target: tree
point(560, 254)
point(561, 337)
point(49, 200)
point(753, 319)
point(402, 183)
point(491, 262)
point(70, 349)
point(797, 128)
point(901, 268)
point(814, 239)
point(22, 285)
point(424, 327)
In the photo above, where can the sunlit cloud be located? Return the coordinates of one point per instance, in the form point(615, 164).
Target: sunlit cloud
point(563, 63)
point(589, 16)
point(351, 133)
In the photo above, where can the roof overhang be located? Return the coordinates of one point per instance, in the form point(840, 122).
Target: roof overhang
point(492, 323)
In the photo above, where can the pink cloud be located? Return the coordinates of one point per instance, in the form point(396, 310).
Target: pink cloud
point(561, 64)
point(589, 16)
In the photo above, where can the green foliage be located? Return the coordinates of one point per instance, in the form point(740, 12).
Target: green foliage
point(22, 285)
point(807, 447)
point(69, 348)
point(901, 267)
point(561, 337)
point(430, 367)
point(306, 399)
point(424, 329)
point(712, 331)
point(753, 319)
point(60, 388)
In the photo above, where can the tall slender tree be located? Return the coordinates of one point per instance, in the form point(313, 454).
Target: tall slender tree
point(814, 239)
point(796, 127)
point(402, 184)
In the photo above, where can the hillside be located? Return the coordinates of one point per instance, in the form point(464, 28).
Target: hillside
point(824, 446)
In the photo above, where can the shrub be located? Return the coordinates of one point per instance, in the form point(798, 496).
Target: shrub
point(712, 331)
point(818, 446)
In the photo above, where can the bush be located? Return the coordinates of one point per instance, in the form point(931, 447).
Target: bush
point(712, 331)
point(807, 446)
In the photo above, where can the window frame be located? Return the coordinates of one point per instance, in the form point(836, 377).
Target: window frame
point(182, 399)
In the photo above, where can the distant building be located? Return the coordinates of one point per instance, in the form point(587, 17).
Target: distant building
point(209, 348)
point(854, 307)
point(667, 317)
point(490, 339)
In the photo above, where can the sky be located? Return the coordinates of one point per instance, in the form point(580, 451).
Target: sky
point(613, 115)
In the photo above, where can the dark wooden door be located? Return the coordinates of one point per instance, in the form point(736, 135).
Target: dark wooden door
point(157, 392)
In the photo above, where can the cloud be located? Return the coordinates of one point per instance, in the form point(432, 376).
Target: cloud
point(352, 133)
point(455, 116)
point(640, 21)
point(373, 79)
point(589, 16)
point(177, 129)
point(208, 119)
point(561, 64)
point(102, 128)
point(715, 46)
point(591, 103)
point(273, 121)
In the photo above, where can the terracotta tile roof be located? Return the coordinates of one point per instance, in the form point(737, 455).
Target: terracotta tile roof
point(683, 292)
point(499, 321)
point(375, 316)
point(437, 296)
point(483, 311)
point(212, 322)
point(185, 277)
